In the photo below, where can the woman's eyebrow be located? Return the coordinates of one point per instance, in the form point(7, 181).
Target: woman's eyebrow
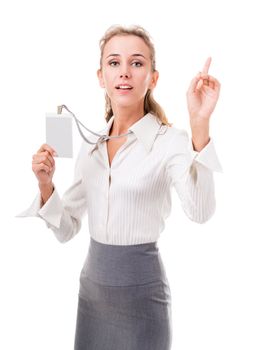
point(134, 55)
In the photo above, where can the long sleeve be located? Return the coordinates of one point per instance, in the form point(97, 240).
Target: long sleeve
point(191, 175)
point(63, 216)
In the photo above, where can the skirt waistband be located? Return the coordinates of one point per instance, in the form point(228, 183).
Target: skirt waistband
point(122, 265)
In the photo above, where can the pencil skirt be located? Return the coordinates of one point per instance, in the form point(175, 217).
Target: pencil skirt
point(124, 299)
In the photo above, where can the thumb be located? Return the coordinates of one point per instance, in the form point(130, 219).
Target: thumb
point(194, 84)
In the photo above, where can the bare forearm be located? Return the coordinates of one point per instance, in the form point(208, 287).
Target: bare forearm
point(46, 191)
point(200, 135)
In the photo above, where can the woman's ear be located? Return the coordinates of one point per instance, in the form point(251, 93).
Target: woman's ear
point(100, 77)
point(154, 79)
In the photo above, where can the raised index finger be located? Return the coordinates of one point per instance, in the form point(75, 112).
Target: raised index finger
point(207, 65)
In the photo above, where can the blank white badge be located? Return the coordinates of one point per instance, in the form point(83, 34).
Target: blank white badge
point(59, 133)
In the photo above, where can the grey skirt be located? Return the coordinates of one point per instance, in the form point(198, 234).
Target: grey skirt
point(124, 300)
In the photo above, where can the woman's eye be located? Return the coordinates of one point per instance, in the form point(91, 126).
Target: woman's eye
point(139, 64)
point(113, 62)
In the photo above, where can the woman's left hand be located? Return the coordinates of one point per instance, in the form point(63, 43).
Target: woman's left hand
point(202, 95)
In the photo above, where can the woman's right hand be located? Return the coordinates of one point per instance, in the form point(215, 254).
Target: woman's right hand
point(43, 164)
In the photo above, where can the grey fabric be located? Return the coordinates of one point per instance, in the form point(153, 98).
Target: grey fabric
point(124, 300)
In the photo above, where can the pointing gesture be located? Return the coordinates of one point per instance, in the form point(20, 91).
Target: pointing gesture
point(202, 95)
point(205, 71)
point(207, 65)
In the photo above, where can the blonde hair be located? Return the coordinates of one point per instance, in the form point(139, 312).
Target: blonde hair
point(150, 105)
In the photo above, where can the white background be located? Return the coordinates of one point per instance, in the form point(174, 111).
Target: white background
point(49, 56)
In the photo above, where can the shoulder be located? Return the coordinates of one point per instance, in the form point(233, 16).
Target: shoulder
point(175, 135)
point(175, 141)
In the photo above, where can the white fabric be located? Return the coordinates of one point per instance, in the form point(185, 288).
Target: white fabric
point(132, 208)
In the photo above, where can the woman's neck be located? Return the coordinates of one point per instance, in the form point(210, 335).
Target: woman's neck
point(124, 118)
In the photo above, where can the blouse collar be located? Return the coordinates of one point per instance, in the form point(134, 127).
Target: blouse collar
point(145, 130)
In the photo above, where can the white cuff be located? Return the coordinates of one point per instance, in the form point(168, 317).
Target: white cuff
point(33, 209)
point(51, 211)
point(207, 156)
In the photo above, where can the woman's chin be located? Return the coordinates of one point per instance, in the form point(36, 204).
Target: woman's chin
point(124, 101)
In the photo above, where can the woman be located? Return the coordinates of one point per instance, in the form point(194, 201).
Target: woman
point(124, 184)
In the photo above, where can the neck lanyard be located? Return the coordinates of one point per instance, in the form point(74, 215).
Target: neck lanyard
point(103, 137)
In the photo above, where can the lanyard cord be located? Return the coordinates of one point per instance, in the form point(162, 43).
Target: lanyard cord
point(101, 137)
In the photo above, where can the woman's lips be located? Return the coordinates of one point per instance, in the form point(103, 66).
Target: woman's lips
point(124, 91)
point(124, 88)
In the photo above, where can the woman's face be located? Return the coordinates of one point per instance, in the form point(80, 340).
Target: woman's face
point(126, 60)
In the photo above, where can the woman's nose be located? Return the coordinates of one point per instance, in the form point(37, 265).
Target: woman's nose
point(125, 72)
point(126, 75)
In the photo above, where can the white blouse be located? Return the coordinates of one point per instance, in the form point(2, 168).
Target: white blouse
point(129, 202)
